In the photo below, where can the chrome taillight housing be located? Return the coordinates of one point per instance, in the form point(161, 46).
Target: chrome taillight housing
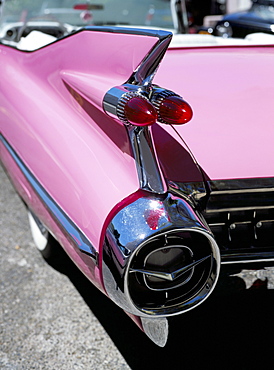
point(159, 258)
point(138, 106)
point(170, 107)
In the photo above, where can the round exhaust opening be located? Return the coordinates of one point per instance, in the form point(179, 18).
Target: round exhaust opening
point(173, 272)
point(161, 263)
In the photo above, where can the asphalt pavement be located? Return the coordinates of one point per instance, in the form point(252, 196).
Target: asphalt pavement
point(44, 321)
point(52, 318)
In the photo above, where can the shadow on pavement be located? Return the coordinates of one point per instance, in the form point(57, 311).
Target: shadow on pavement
point(233, 329)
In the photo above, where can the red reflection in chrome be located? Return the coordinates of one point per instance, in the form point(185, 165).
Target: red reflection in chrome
point(140, 112)
point(175, 111)
point(153, 217)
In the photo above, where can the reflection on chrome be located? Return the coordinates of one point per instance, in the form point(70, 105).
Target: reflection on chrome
point(156, 330)
point(159, 257)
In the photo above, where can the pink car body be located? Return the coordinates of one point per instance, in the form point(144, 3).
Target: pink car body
point(147, 213)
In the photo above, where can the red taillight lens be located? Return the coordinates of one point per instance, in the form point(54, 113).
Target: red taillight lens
point(175, 111)
point(140, 112)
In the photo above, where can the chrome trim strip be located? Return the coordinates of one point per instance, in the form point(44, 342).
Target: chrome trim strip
point(160, 34)
point(150, 175)
point(236, 209)
point(241, 185)
point(238, 260)
point(242, 191)
point(197, 190)
point(240, 195)
point(71, 231)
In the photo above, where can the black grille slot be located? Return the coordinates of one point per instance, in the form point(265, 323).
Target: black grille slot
point(240, 213)
point(242, 233)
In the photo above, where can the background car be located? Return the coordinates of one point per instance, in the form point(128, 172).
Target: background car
point(59, 18)
point(259, 18)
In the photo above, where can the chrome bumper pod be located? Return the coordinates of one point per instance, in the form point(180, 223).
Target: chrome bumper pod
point(159, 260)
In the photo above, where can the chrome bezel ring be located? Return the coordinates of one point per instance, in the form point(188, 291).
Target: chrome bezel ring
point(158, 98)
point(125, 98)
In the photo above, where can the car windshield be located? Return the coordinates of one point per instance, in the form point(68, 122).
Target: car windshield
point(155, 13)
point(264, 11)
point(263, 2)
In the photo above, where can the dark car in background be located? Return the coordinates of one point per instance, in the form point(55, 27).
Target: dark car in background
point(259, 18)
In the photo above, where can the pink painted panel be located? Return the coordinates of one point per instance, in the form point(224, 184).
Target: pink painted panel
point(80, 155)
point(231, 92)
point(26, 192)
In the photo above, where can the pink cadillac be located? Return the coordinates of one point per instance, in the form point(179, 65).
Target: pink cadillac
point(149, 161)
